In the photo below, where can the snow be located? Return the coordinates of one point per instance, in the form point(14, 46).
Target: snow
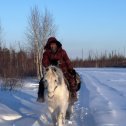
point(101, 101)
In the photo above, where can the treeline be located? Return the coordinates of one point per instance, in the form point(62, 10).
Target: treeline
point(16, 64)
point(22, 63)
point(112, 59)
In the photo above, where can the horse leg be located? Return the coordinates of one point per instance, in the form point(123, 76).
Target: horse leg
point(61, 115)
point(68, 115)
point(60, 121)
point(53, 119)
point(69, 111)
point(53, 116)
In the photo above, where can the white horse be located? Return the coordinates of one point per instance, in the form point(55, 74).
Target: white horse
point(57, 95)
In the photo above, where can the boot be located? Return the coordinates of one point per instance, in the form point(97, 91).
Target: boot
point(74, 97)
point(41, 92)
point(40, 99)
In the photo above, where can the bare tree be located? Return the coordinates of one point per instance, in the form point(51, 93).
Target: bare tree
point(41, 26)
point(1, 32)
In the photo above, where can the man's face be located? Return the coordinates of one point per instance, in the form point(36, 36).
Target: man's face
point(53, 47)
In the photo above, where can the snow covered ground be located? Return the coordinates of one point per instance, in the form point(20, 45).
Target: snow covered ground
point(102, 101)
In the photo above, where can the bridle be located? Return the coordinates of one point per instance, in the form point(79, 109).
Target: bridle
point(52, 91)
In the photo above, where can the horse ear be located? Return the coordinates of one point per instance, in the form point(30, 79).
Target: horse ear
point(44, 70)
point(59, 80)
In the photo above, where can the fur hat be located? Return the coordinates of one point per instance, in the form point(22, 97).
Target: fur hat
point(52, 40)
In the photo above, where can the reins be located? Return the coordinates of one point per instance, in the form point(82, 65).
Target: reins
point(52, 92)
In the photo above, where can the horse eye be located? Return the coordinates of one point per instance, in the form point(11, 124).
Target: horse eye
point(45, 80)
point(47, 69)
point(54, 69)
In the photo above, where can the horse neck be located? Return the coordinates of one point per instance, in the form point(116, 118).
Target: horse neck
point(63, 84)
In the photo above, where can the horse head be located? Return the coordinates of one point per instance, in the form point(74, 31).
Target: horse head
point(52, 79)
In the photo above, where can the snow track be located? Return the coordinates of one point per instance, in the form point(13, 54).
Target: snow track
point(102, 102)
point(107, 100)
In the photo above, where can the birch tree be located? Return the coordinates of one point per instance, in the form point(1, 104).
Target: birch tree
point(40, 27)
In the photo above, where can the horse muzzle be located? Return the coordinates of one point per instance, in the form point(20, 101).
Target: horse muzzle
point(51, 93)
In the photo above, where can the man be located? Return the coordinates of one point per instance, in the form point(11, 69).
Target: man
point(55, 55)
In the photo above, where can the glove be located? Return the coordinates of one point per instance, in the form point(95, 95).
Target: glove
point(73, 72)
point(54, 62)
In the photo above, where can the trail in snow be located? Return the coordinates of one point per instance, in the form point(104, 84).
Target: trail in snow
point(20, 108)
point(107, 100)
point(102, 101)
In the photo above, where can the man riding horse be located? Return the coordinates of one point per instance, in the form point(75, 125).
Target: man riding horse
point(55, 55)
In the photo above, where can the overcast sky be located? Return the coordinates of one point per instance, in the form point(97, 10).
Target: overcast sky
point(89, 24)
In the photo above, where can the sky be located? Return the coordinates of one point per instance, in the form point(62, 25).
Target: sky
point(97, 25)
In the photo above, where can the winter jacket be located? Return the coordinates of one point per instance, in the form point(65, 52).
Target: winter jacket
point(60, 57)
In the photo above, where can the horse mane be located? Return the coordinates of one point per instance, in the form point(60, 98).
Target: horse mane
point(55, 72)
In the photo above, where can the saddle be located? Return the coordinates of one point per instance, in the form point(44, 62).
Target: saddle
point(77, 80)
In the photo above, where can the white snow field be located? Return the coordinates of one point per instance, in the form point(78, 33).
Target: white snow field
point(102, 101)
